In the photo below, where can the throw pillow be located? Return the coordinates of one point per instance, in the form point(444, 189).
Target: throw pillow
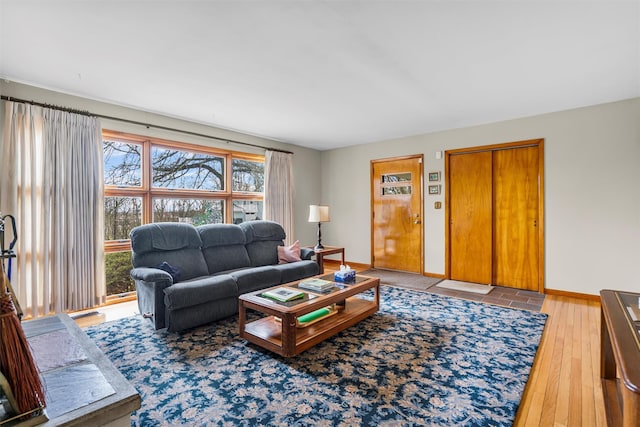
point(289, 253)
point(173, 271)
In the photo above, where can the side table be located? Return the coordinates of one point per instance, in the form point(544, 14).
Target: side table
point(328, 250)
point(620, 356)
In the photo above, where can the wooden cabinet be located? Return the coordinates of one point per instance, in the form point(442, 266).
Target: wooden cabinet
point(495, 217)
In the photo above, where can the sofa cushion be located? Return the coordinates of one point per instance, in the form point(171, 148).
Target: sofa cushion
point(263, 253)
point(177, 244)
point(262, 230)
point(263, 239)
point(199, 290)
point(164, 236)
point(213, 235)
point(255, 278)
point(297, 270)
point(223, 247)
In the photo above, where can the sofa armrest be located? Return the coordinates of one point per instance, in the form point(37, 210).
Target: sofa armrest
point(150, 286)
point(306, 253)
point(147, 274)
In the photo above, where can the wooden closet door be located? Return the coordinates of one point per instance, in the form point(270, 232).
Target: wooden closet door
point(516, 200)
point(470, 204)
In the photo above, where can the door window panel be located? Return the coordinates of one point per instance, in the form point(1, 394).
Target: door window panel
point(396, 177)
point(393, 191)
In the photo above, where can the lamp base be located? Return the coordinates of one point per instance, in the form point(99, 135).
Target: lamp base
point(319, 245)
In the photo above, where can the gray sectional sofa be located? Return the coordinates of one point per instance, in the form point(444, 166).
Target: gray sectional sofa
point(188, 276)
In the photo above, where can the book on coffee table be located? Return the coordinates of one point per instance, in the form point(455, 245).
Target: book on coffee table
point(316, 284)
point(283, 294)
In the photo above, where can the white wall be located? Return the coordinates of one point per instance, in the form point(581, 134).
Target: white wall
point(592, 195)
point(592, 173)
point(306, 162)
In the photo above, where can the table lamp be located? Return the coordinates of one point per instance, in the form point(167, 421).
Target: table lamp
point(319, 214)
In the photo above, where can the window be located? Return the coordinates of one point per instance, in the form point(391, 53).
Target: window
point(248, 176)
point(153, 180)
point(122, 163)
point(121, 214)
point(192, 211)
point(178, 169)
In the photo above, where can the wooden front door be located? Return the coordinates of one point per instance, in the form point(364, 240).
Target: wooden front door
point(396, 223)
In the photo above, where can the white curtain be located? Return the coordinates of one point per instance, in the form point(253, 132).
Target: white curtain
point(51, 181)
point(278, 190)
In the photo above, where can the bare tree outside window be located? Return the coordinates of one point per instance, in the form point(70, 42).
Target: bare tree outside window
point(196, 212)
point(121, 214)
point(248, 176)
point(122, 163)
point(186, 170)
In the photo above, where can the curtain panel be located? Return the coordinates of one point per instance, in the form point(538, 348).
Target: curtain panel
point(278, 191)
point(52, 182)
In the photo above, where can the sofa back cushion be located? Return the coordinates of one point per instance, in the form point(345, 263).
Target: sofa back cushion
point(223, 246)
point(177, 244)
point(263, 239)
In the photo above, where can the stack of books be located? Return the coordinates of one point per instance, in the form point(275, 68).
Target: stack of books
point(318, 285)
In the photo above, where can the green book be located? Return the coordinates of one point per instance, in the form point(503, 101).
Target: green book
point(314, 315)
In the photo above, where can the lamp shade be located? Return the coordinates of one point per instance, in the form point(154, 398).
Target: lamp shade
point(319, 213)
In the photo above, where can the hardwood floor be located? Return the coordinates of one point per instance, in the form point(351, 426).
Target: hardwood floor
point(105, 314)
point(564, 385)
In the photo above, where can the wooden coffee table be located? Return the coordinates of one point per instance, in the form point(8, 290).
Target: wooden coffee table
point(278, 329)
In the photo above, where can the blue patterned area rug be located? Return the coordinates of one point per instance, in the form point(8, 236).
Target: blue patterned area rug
point(423, 359)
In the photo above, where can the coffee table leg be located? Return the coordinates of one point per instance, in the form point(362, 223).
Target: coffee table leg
point(242, 317)
point(288, 335)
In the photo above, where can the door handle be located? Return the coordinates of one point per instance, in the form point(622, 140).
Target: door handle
point(417, 221)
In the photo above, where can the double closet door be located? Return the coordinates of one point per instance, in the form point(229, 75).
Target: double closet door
point(495, 218)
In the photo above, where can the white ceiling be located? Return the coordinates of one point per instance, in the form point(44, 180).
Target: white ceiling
point(327, 74)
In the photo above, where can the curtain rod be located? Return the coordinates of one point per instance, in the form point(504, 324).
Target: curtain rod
point(147, 125)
